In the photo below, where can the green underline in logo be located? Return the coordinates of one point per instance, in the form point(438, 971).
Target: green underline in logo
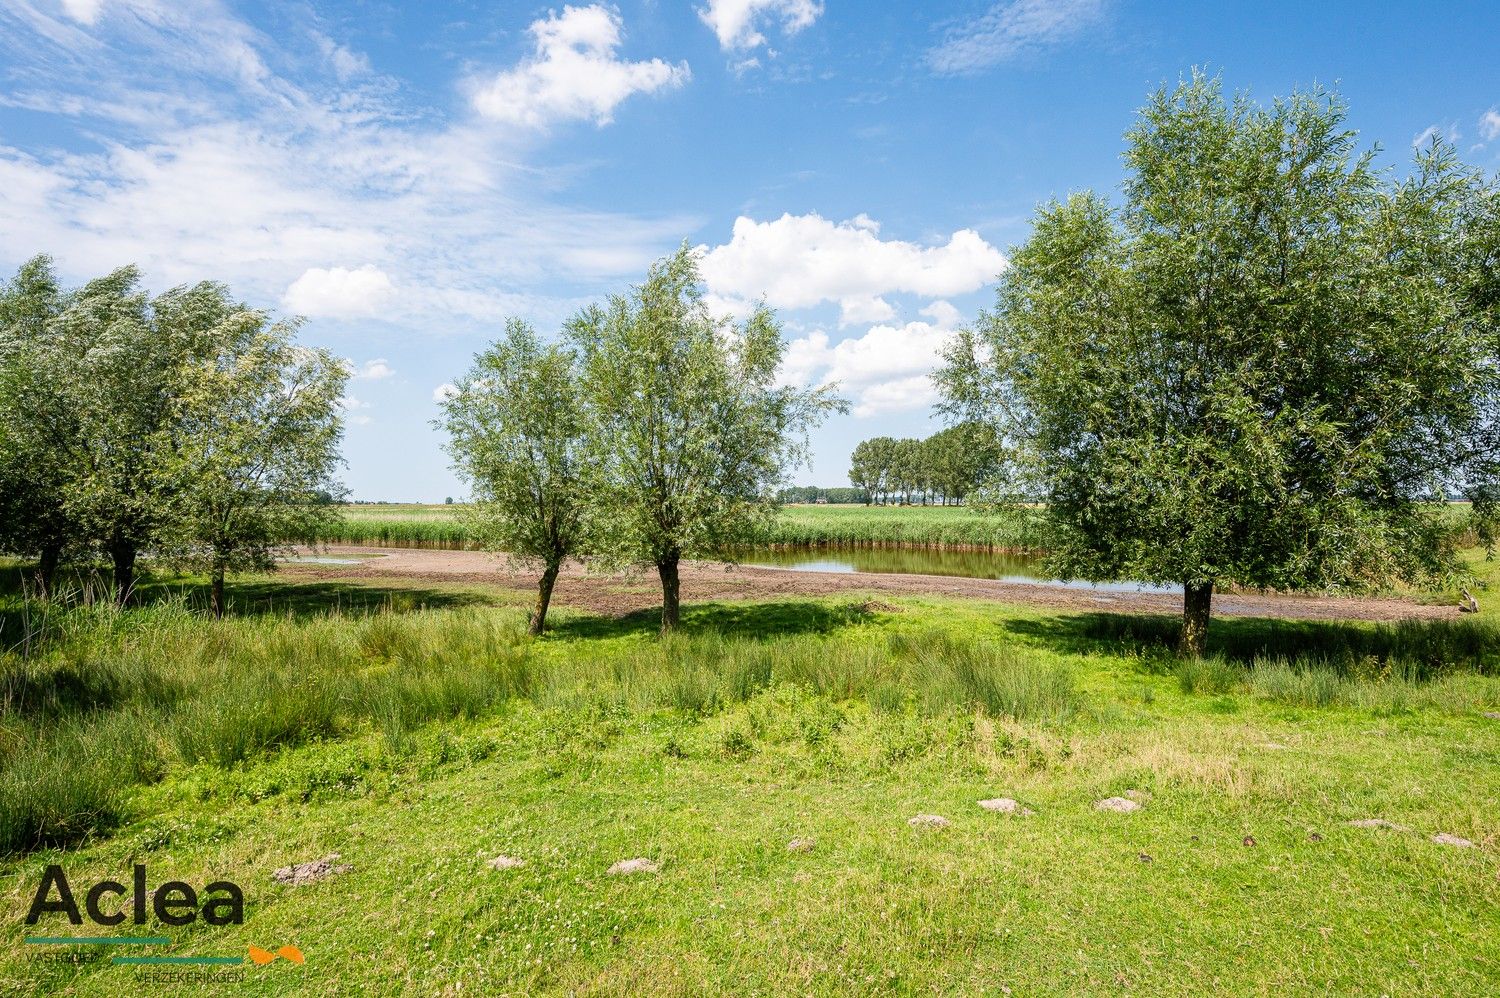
point(179, 959)
point(97, 940)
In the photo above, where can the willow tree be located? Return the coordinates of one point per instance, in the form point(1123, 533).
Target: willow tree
point(1257, 371)
point(689, 434)
point(37, 426)
point(254, 440)
point(515, 433)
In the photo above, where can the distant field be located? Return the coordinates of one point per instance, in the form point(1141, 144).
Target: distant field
point(441, 526)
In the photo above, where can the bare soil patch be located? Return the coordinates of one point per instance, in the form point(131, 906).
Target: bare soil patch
point(618, 595)
point(299, 874)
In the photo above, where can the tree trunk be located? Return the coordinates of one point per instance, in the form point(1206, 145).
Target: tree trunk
point(543, 598)
point(670, 588)
point(1196, 602)
point(122, 555)
point(216, 590)
point(46, 569)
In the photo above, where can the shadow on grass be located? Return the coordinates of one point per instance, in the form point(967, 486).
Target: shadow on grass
point(261, 596)
point(1429, 645)
point(748, 620)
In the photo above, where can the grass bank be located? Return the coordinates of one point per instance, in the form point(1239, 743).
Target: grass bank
point(875, 526)
point(420, 734)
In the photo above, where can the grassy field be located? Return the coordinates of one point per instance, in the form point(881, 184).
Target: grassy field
point(419, 733)
point(935, 526)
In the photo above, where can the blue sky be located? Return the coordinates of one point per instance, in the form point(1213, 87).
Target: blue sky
point(406, 176)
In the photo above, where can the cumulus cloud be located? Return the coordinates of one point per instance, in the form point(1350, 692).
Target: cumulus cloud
point(798, 261)
point(573, 73)
point(1489, 124)
point(885, 370)
point(1011, 29)
point(444, 392)
point(371, 370)
point(353, 410)
point(736, 22)
point(339, 293)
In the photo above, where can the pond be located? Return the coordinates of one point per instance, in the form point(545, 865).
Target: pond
point(1005, 567)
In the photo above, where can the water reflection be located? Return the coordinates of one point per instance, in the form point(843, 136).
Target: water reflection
point(907, 561)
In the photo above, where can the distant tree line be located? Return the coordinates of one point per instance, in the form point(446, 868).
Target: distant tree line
point(185, 425)
point(813, 494)
point(944, 469)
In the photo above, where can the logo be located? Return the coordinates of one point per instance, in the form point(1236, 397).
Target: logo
point(263, 957)
point(173, 903)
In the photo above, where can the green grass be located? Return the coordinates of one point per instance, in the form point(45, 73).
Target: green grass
point(419, 734)
point(922, 526)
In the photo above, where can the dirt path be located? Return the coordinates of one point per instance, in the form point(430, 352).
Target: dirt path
point(703, 581)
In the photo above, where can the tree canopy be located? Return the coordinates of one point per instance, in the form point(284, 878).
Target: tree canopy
point(689, 435)
point(184, 423)
point(516, 434)
point(1258, 370)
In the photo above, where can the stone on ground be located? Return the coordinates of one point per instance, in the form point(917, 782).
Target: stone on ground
point(1122, 805)
point(638, 865)
point(1006, 805)
point(1378, 823)
point(1444, 839)
point(505, 863)
point(928, 821)
point(299, 874)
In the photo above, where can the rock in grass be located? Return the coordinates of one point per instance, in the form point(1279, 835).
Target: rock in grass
point(1378, 823)
point(1005, 805)
point(1121, 805)
point(1444, 839)
point(505, 863)
point(638, 865)
point(801, 845)
point(928, 821)
point(1493, 715)
point(299, 874)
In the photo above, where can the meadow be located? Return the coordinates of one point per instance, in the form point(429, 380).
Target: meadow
point(441, 526)
point(420, 734)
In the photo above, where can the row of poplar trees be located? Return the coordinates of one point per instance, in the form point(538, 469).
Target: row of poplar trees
point(651, 431)
point(1264, 366)
point(183, 425)
point(947, 467)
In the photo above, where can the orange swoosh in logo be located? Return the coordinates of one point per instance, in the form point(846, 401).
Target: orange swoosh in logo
point(262, 957)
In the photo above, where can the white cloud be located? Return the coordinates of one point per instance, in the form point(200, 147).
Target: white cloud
point(344, 61)
point(735, 22)
point(943, 314)
point(798, 261)
point(573, 73)
point(352, 407)
point(1448, 133)
point(372, 370)
point(886, 370)
point(1489, 124)
point(444, 392)
point(339, 293)
point(1008, 30)
point(195, 160)
point(83, 11)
